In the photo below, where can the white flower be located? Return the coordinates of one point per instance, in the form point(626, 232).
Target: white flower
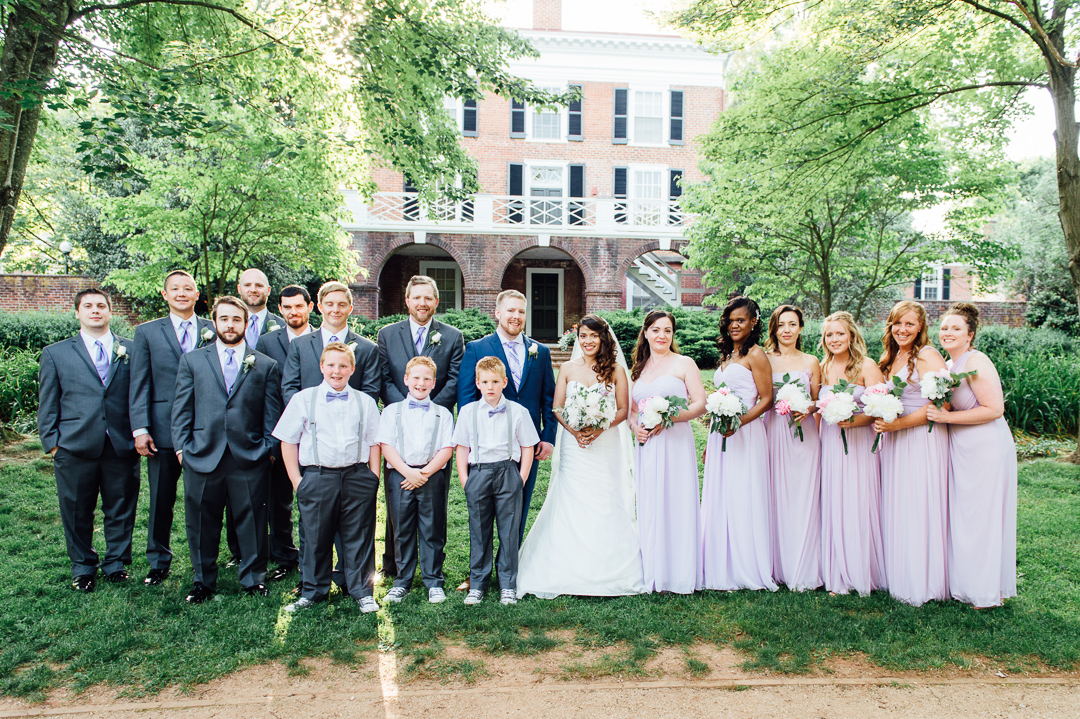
point(248, 363)
point(208, 335)
point(795, 396)
point(650, 418)
point(532, 350)
point(881, 404)
point(435, 338)
point(351, 346)
point(120, 351)
point(657, 404)
point(838, 407)
point(273, 326)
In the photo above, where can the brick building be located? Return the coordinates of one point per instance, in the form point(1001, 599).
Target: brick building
point(579, 207)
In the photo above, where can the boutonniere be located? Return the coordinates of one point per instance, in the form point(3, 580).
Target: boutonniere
point(435, 338)
point(533, 351)
point(272, 326)
point(351, 346)
point(206, 336)
point(248, 363)
point(121, 352)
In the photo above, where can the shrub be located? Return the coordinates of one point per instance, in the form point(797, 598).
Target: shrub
point(18, 383)
point(35, 330)
point(473, 323)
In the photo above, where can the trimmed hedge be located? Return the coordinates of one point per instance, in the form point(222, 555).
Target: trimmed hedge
point(473, 323)
point(35, 330)
point(18, 383)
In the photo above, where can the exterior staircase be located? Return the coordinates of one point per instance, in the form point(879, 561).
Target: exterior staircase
point(658, 279)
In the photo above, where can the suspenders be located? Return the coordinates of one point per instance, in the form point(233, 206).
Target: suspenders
point(315, 433)
point(434, 434)
point(475, 451)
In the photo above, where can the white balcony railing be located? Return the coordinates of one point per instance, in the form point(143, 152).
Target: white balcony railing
point(570, 215)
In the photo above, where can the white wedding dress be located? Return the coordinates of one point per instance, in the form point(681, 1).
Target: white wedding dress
point(584, 541)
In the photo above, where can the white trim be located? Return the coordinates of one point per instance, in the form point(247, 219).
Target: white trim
point(426, 265)
point(562, 113)
point(529, 272)
point(526, 181)
point(665, 114)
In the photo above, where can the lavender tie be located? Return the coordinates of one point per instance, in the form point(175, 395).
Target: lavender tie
point(252, 334)
point(186, 338)
point(230, 370)
point(420, 340)
point(515, 362)
point(101, 362)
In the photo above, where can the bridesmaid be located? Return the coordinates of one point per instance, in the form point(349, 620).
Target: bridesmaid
point(850, 483)
point(914, 467)
point(982, 470)
point(795, 466)
point(735, 526)
point(667, 479)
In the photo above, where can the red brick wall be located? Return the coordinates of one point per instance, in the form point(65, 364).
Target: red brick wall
point(573, 284)
point(1011, 314)
point(547, 14)
point(54, 293)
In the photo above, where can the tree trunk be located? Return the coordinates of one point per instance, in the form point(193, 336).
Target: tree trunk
point(1067, 138)
point(31, 42)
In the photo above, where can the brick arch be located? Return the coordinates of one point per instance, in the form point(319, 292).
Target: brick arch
point(558, 244)
point(638, 251)
point(467, 272)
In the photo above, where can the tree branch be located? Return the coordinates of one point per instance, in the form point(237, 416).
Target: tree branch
point(1004, 16)
point(1049, 44)
point(190, 3)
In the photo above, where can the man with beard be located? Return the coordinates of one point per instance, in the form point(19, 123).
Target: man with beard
point(295, 307)
point(222, 435)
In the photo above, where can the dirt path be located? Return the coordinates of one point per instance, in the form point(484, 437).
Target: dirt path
point(557, 684)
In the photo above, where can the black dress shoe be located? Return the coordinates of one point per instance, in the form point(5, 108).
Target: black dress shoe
point(199, 594)
point(278, 573)
point(84, 583)
point(118, 577)
point(156, 577)
point(233, 562)
point(259, 590)
point(298, 589)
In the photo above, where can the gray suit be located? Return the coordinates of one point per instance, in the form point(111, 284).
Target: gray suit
point(302, 365)
point(396, 348)
point(226, 442)
point(87, 422)
point(155, 356)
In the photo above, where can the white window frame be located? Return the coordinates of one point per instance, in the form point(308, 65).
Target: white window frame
point(426, 265)
point(631, 186)
point(530, 165)
point(529, 272)
point(935, 279)
point(665, 115)
point(561, 112)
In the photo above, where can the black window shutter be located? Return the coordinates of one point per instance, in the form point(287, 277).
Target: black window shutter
point(515, 186)
point(946, 281)
point(918, 288)
point(469, 120)
point(619, 191)
point(676, 129)
point(577, 180)
point(517, 118)
point(574, 117)
point(622, 102)
point(674, 188)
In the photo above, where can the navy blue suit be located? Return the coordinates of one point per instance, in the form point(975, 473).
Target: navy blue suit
point(536, 394)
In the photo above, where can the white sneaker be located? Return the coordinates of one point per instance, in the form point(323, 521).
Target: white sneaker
point(436, 595)
point(475, 596)
point(509, 596)
point(301, 603)
point(395, 595)
point(367, 604)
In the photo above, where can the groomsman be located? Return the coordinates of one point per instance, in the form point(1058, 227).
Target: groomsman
point(302, 364)
point(155, 355)
point(532, 379)
point(83, 423)
point(228, 401)
point(254, 289)
point(295, 307)
point(421, 334)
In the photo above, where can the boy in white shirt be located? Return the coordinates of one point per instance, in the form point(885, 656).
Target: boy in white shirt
point(495, 440)
point(330, 452)
point(417, 441)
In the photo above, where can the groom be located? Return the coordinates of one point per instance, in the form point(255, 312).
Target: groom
point(532, 380)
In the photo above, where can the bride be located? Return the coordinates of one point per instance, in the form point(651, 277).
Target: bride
point(584, 541)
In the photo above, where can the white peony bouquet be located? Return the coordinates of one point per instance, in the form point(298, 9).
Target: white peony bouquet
point(659, 411)
point(839, 406)
point(587, 407)
point(938, 386)
point(725, 410)
point(792, 399)
point(883, 400)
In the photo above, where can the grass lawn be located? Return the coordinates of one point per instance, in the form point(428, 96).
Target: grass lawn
point(141, 639)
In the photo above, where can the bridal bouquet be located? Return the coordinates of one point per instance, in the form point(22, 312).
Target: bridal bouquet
point(725, 410)
point(659, 411)
point(883, 400)
point(792, 399)
point(938, 386)
point(588, 407)
point(839, 406)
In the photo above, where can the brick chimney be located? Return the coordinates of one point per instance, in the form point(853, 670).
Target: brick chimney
point(547, 14)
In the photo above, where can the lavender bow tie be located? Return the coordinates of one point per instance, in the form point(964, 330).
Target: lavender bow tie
point(493, 412)
point(413, 404)
point(343, 396)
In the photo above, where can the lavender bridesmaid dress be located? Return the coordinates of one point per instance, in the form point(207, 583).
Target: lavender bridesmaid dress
point(852, 556)
point(982, 504)
point(667, 498)
point(915, 505)
point(795, 488)
point(735, 515)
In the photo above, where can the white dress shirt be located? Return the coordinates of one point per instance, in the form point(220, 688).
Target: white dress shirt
point(106, 340)
point(413, 327)
point(238, 352)
point(293, 335)
point(261, 315)
point(193, 329)
point(327, 334)
point(417, 428)
point(491, 446)
point(337, 426)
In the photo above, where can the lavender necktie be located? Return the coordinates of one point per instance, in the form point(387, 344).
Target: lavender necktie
point(515, 362)
point(101, 362)
point(420, 340)
point(230, 370)
point(252, 334)
point(186, 338)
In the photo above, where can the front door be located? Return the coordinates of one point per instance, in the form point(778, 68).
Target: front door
point(544, 306)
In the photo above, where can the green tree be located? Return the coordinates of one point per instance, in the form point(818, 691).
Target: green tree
point(967, 60)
